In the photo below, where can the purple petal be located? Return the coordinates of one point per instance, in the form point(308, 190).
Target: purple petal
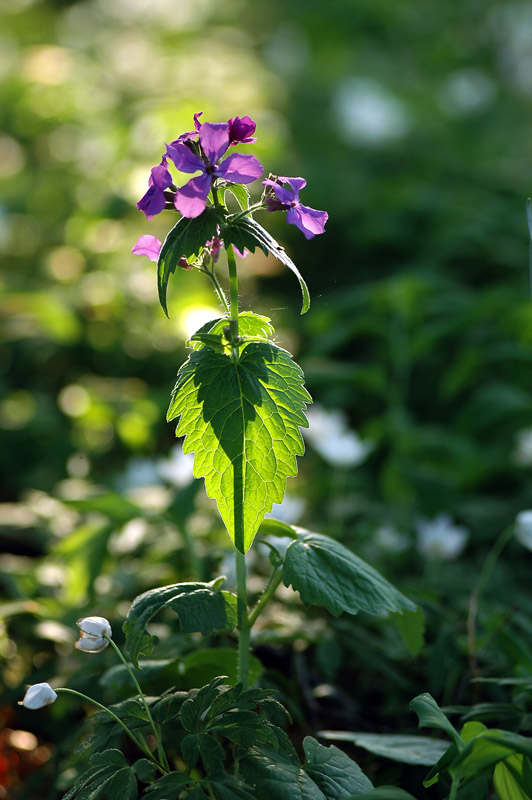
point(160, 177)
point(296, 183)
point(285, 196)
point(183, 157)
point(197, 123)
point(152, 202)
point(308, 220)
point(214, 139)
point(240, 169)
point(149, 246)
point(190, 199)
point(241, 130)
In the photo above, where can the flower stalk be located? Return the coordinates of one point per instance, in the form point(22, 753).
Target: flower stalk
point(160, 751)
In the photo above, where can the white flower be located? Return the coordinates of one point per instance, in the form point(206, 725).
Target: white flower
point(439, 538)
point(93, 633)
point(38, 696)
point(335, 442)
point(523, 528)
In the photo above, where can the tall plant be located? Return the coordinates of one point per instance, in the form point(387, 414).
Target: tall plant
point(239, 402)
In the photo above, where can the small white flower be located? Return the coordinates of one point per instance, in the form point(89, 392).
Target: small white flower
point(38, 696)
point(523, 528)
point(439, 538)
point(93, 633)
point(329, 434)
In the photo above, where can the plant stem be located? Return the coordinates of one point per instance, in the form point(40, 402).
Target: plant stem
point(218, 289)
point(160, 750)
point(139, 744)
point(273, 583)
point(243, 624)
point(233, 288)
point(242, 593)
point(247, 211)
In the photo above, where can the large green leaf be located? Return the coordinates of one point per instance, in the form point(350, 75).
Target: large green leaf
point(200, 606)
point(246, 232)
point(109, 778)
point(242, 422)
point(397, 746)
point(168, 786)
point(275, 774)
point(186, 238)
point(333, 771)
point(326, 573)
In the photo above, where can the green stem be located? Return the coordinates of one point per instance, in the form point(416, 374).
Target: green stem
point(247, 211)
point(218, 289)
point(243, 624)
point(233, 288)
point(160, 750)
point(122, 724)
point(273, 583)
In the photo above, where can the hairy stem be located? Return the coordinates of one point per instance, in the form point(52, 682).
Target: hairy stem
point(157, 733)
point(243, 624)
point(139, 744)
point(273, 583)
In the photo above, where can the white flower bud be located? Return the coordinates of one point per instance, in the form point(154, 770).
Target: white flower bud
point(38, 696)
point(93, 633)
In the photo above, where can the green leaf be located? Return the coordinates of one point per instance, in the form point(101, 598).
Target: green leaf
point(275, 775)
point(168, 786)
point(144, 770)
point(397, 747)
point(326, 573)
point(242, 422)
point(186, 238)
point(241, 193)
point(382, 793)
point(110, 778)
point(201, 666)
point(411, 626)
point(490, 747)
point(249, 324)
point(430, 715)
point(202, 744)
point(333, 771)
point(508, 779)
point(116, 506)
point(246, 232)
point(200, 607)
point(228, 788)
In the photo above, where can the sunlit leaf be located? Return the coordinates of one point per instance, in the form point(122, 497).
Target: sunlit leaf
point(242, 423)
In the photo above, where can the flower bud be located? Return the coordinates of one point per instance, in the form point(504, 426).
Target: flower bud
point(95, 633)
point(38, 696)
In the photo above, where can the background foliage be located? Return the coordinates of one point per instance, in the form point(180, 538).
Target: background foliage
point(413, 132)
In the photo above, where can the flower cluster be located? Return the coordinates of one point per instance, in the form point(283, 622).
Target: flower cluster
point(204, 151)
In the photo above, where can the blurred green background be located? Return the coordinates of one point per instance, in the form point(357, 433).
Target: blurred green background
point(412, 124)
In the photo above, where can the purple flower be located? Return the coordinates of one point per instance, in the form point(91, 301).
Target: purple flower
point(241, 130)
point(214, 139)
point(148, 245)
point(154, 200)
point(308, 220)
